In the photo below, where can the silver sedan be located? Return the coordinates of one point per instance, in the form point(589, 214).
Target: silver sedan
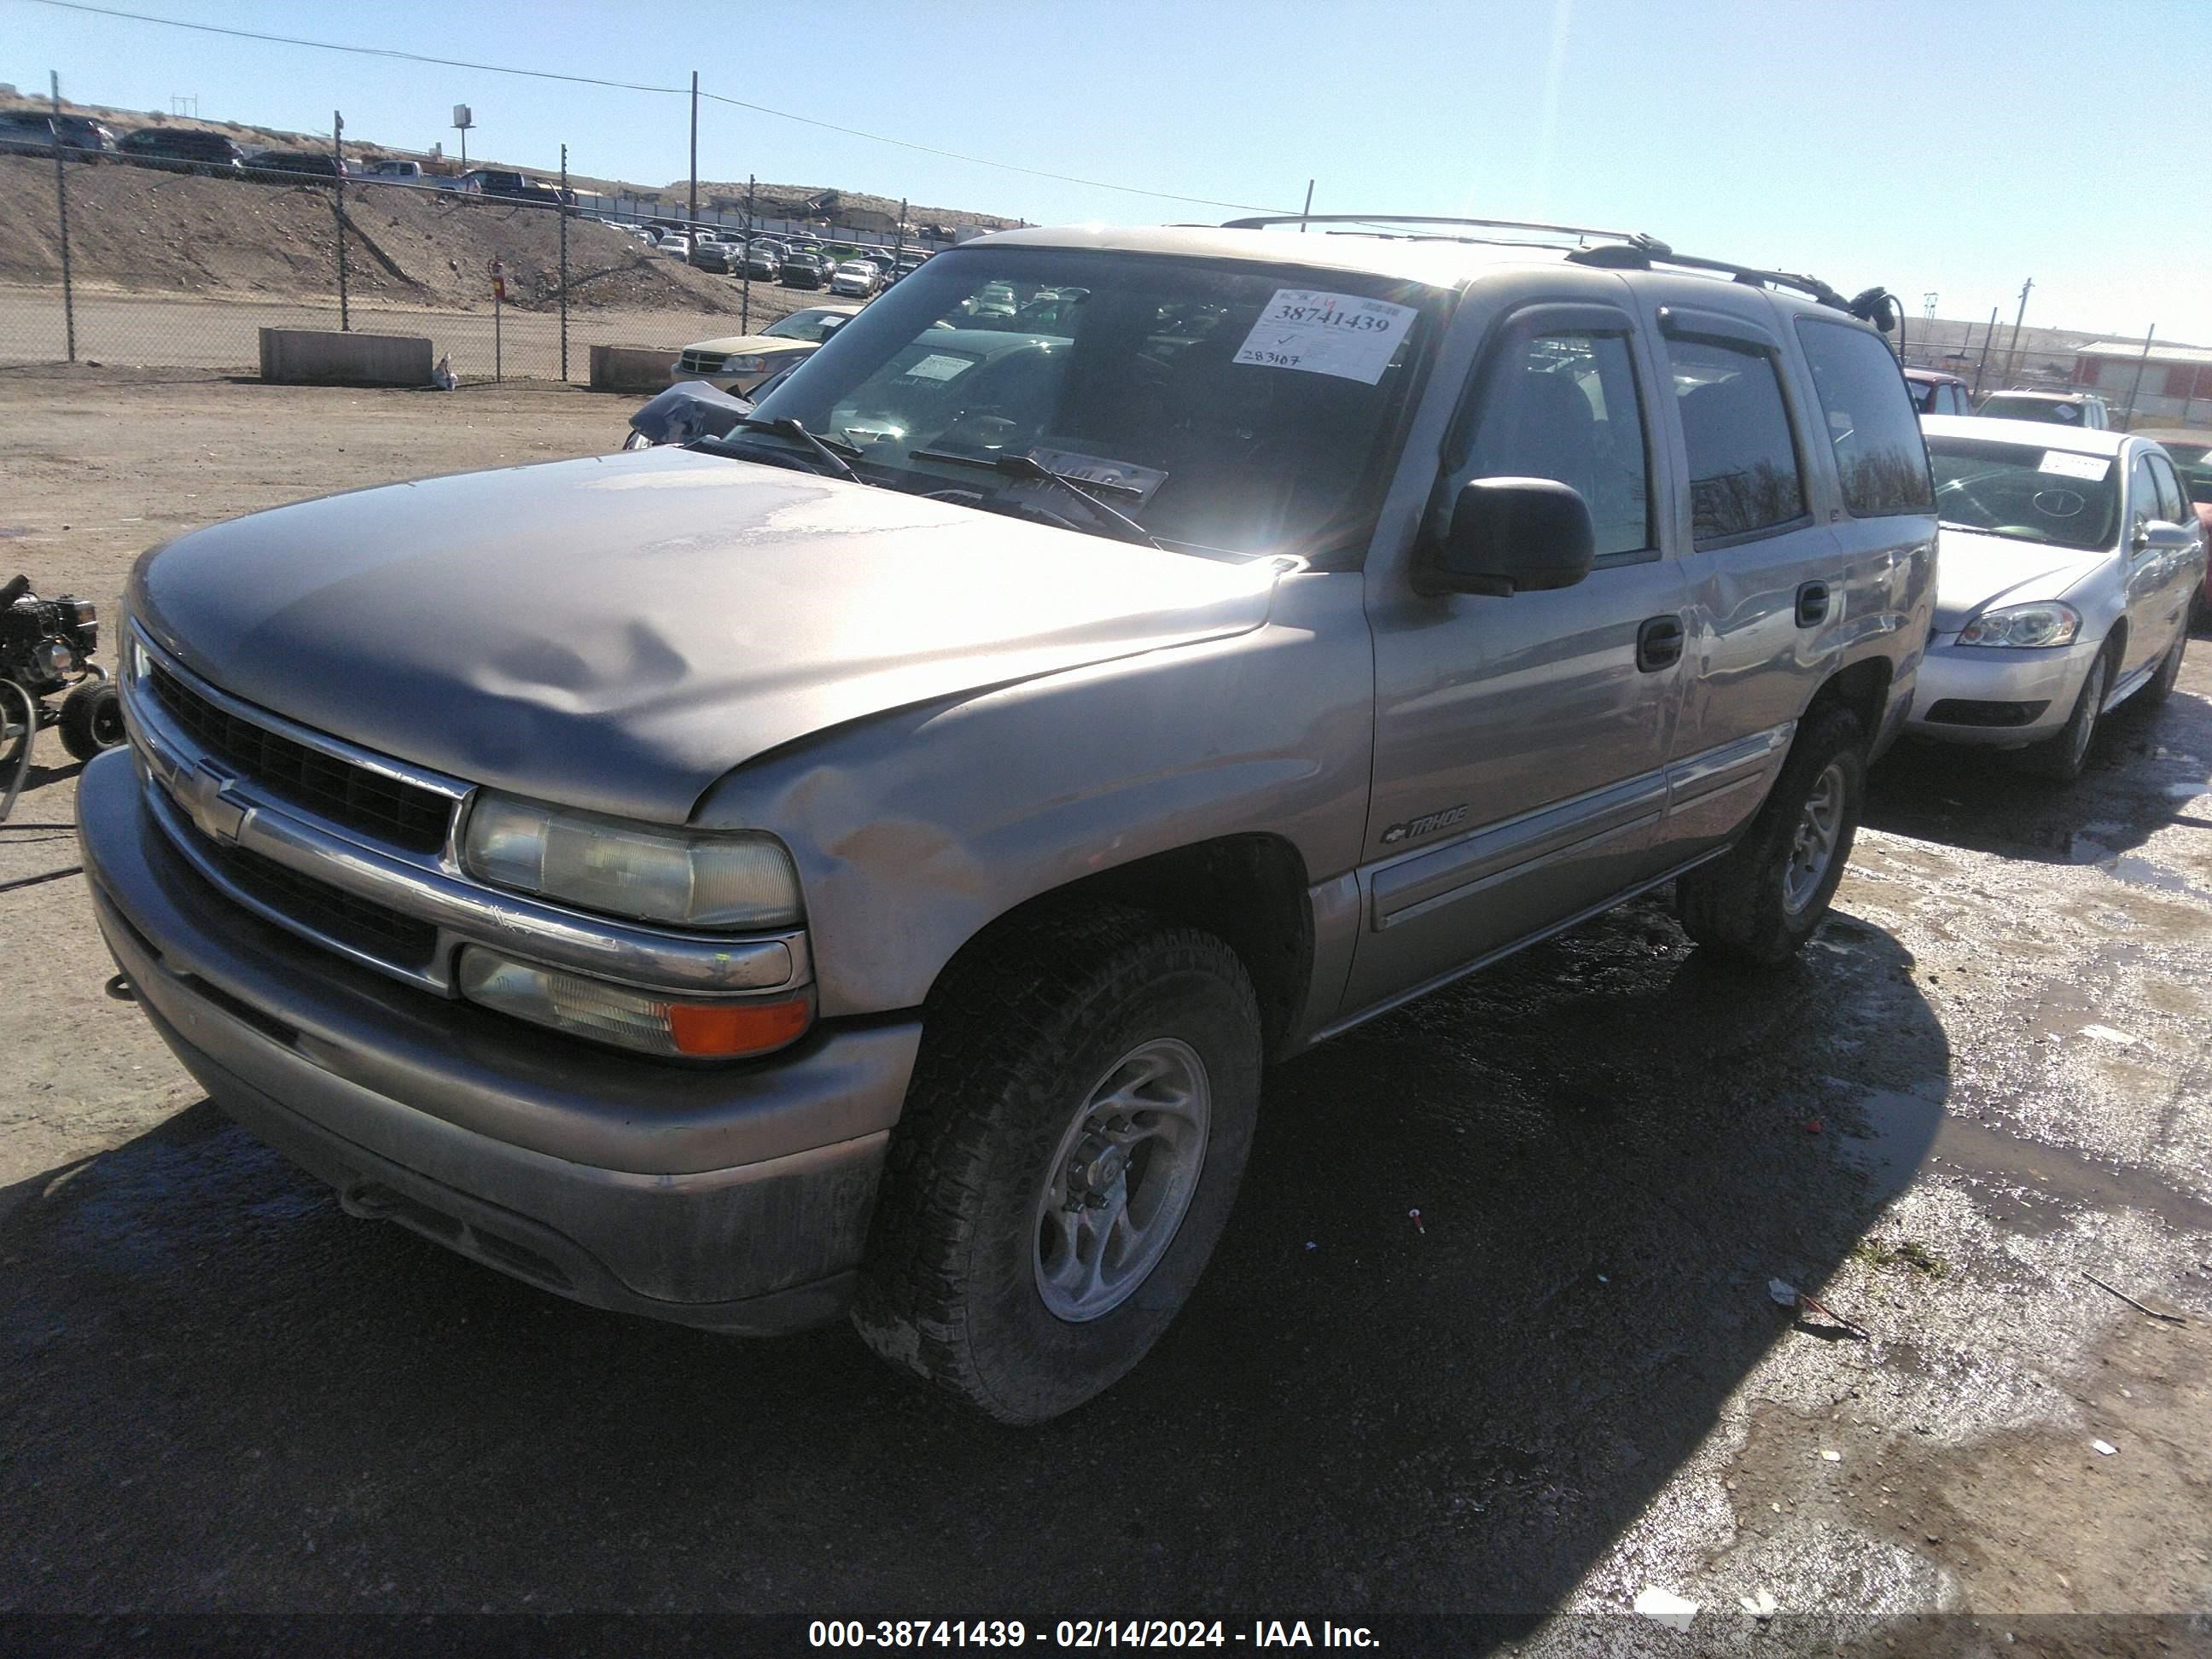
point(2066, 565)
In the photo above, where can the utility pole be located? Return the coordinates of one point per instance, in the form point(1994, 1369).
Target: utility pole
point(898, 234)
point(337, 208)
point(2129, 419)
point(61, 207)
point(562, 206)
point(745, 299)
point(693, 223)
point(1309, 207)
point(2012, 351)
point(1990, 334)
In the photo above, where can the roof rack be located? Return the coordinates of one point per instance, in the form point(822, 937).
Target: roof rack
point(1867, 307)
point(1375, 220)
point(1613, 250)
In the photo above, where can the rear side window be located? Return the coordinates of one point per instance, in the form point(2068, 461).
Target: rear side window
point(1743, 464)
point(1880, 456)
point(1563, 406)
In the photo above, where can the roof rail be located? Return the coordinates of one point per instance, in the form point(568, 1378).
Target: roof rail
point(1375, 220)
point(1615, 250)
point(1616, 257)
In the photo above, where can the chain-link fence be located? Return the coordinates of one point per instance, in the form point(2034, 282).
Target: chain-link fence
point(2141, 382)
point(140, 262)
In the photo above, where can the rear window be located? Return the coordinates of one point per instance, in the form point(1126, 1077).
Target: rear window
point(2033, 409)
point(1879, 453)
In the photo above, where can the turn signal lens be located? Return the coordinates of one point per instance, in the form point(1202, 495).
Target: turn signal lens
point(627, 1017)
point(732, 1028)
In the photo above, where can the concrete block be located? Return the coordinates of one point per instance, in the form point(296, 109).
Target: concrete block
point(312, 356)
point(631, 368)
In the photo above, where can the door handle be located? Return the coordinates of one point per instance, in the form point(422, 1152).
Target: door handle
point(1811, 604)
point(1658, 643)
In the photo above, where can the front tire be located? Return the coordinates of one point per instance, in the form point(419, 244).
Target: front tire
point(2061, 757)
point(2162, 684)
point(1759, 903)
point(1072, 1143)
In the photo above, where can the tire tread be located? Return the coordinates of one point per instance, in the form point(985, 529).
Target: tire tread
point(993, 1031)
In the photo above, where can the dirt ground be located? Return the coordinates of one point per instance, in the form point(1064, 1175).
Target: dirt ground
point(1988, 1079)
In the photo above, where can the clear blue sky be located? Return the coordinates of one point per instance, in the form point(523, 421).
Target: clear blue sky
point(1952, 145)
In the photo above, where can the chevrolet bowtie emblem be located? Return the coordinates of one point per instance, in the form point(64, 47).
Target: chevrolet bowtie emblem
point(200, 792)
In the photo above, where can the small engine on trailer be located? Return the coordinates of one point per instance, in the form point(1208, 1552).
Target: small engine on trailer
point(45, 652)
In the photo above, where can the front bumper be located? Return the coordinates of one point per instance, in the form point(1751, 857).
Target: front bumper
point(733, 1198)
point(1998, 691)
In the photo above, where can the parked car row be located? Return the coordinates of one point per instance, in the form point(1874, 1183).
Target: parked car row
point(1936, 392)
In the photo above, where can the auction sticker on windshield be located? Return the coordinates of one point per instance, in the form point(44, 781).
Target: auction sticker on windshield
point(2092, 467)
point(1340, 334)
point(939, 365)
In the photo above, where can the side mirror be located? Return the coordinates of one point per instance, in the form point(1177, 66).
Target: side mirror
point(2157, 535)
point(1511, 536)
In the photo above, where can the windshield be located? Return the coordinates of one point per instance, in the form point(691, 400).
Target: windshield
point(2049, 497)
point(1220, 407)
point(804, 326)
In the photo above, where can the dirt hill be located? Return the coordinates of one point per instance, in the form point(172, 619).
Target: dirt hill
point(136, 229)
point(775, 201)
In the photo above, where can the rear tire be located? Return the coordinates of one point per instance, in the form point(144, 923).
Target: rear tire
point(1007, 1151)
point(2062, 756)
point(1758, 903)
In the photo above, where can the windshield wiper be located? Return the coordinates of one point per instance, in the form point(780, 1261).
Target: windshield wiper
point(791, 427)
point(1021, 466)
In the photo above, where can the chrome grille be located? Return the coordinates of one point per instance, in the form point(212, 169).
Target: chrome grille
point(373, 929)
point(385, 807)
point(700, 362)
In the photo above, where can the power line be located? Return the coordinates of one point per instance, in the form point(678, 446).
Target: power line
point(363, 51)
point(635, 86)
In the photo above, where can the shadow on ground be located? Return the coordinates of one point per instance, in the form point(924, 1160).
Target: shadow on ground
point(221, 1393)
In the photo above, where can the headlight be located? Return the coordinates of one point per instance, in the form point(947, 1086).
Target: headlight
point(735, 879)
point(2049, 624)
point(744, 365)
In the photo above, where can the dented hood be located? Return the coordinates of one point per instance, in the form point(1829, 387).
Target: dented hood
point(618, 632)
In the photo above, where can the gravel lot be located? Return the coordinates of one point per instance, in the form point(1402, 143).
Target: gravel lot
point(1565, 1385)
